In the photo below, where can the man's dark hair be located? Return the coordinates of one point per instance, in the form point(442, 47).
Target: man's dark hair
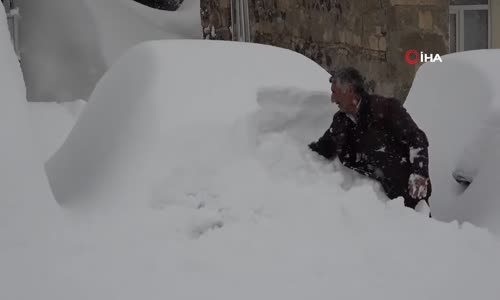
point(351, 76)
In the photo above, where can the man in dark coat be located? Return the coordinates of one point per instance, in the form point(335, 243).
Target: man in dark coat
point(376, 136)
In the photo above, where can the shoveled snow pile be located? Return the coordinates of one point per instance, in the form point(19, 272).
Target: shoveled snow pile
point(199, 184)
point(457, 103)
point(67, 45)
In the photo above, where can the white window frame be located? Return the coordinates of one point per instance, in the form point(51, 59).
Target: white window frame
point(458, 10)
point(240, 20)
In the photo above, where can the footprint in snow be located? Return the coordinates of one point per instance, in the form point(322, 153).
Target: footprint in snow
point(197, 230)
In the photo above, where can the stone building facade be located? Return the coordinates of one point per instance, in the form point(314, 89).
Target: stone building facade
point(372, 35)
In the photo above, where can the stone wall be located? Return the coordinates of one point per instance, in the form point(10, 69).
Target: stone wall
point(372, 35)
point(216, 19)
point(495, 24)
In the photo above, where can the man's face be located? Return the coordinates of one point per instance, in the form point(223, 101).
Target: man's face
point(344, 97)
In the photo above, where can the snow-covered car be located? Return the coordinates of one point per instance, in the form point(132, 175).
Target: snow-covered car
point(457, 103)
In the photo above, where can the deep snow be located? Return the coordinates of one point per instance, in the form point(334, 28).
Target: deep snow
point(161, 117)
point(188, 179)
point(201, 186)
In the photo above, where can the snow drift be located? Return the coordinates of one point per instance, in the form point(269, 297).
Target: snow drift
point(67, 45)
point(456, 104)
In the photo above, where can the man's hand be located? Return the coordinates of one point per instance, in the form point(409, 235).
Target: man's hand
point(417, 186)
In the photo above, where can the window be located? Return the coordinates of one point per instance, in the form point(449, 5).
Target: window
point(468, 2)
point(469, 25)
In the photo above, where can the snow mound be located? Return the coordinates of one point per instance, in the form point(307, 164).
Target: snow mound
point(454, 103)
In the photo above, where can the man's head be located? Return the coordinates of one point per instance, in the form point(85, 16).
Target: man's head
point(347, 89)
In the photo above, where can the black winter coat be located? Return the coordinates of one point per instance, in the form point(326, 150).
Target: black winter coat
point(384, 143)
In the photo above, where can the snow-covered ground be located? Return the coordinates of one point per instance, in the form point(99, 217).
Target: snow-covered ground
point(67, 45)
point(178, 182)
point(181, 192)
